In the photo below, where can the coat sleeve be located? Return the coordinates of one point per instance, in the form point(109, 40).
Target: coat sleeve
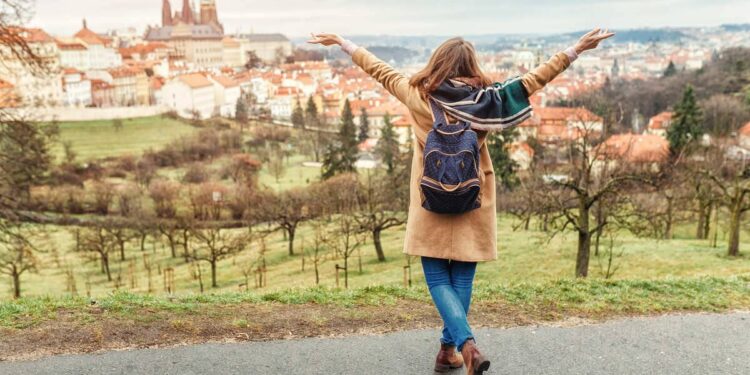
point(393, 81)
point(536, 79)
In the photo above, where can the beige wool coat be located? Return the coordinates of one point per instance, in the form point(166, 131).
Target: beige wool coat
point(471, 236)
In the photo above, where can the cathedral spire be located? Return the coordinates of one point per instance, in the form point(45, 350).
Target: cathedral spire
point(187, 13)
point(166, 13)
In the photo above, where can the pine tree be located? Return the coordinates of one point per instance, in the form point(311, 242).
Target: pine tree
point(387, 147)
point(341, 156)
point(364, 126)
point(686, 126)
point(671, 69)
point(311, 113)
point(505, 168)
point(240, 112)
point(298, 116)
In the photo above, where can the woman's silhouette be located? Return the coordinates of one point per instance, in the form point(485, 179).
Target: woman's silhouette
point(450, 245)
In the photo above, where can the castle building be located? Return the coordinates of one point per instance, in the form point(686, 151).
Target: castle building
point(195, 38)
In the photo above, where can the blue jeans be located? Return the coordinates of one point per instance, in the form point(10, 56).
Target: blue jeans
point(450, 284)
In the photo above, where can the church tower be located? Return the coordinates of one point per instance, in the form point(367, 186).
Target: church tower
point(209, 15)
point(208, 12)
point(187, 13)
point(166, 13)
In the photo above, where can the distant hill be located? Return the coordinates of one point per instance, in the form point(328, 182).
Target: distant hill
point(496, 42)
point(736, 27)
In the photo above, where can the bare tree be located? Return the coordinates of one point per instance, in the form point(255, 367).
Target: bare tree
point(593, 174)
point(98, 241)
point(215, 244)
point(386, 202)
point(17, 255)
point(288, 210)
point(320, 246)
point(731, 177)
point(164, 194)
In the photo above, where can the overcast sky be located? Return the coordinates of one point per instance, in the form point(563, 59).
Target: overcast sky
point(402, 17)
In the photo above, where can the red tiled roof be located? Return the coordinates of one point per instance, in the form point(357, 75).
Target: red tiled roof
point(634, 148)
point(195, 80)
point(5, 84)
point(97, 84)
point(745, 129)
point(91, 37)
point(31, 35)
point(660, 121)
point(123, 71)
point(225, 81)
point(521, 146)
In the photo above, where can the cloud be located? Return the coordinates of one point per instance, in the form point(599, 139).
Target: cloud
point(414, 17)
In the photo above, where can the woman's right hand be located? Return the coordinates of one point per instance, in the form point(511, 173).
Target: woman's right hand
point(326, 39)
point(592, 39)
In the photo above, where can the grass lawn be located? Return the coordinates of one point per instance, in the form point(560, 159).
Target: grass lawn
point(523, 257)
point(295, 175)
point(99, 139)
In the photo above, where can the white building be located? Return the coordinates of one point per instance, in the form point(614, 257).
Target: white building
point(76, 89)
point(268, 47)
point(35, 87)
point(190, 94)
point(101, 54)
point(226, 94)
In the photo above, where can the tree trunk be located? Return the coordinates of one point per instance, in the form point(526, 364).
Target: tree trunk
point(734, 230)
point(172, 247)
point(707, 220)
point(16, 285)
point(346, 271)
point(122, 250)
point(291, 231)
point(105, 263)
point(213, 275)
point(186, 246)
point(700, 229)
point(378, 245)
point(584, 242)
point(670, 218)
point(317, 274)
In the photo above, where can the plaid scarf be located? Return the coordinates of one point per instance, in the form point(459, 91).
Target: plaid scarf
point(493, 108)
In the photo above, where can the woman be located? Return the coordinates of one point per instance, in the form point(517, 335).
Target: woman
point(451, 245)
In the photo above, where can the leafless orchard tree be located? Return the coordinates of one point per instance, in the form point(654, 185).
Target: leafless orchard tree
point(214, 244)
point(18, 254)
point(594, 174)
point(386, 200)
point(730, 175)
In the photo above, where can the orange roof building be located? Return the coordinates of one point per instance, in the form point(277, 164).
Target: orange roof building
point(659, 124)
point(634, 148)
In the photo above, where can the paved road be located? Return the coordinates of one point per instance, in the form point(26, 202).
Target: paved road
point(688, 344)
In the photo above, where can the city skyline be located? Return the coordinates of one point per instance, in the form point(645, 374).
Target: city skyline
point(297, 18)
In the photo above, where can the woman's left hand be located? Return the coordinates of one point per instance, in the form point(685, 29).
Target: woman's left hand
point(592, 39)
point(326, 39)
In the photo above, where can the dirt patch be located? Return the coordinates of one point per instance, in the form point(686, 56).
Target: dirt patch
point(96, 330)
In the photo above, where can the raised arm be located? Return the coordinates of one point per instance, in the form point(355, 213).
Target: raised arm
point(536, 79)
point(393, 81)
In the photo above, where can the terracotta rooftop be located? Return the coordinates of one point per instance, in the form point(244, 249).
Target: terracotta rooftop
point(225, 81)
point(195, 80)
point(660, 121)
point(745, 129)
point(634, 148)
point(90, 37)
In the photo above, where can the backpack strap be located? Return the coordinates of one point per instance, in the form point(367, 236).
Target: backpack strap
point(438, 114)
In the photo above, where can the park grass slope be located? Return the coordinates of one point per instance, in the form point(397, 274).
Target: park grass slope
point(37, 326)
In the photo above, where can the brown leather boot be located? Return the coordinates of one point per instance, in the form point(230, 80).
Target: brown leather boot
point(448, 359)
point(475, 362)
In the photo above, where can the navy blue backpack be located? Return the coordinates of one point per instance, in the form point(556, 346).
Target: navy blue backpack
point(450, 180)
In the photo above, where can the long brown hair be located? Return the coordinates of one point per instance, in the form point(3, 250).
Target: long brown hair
point(455, 58)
